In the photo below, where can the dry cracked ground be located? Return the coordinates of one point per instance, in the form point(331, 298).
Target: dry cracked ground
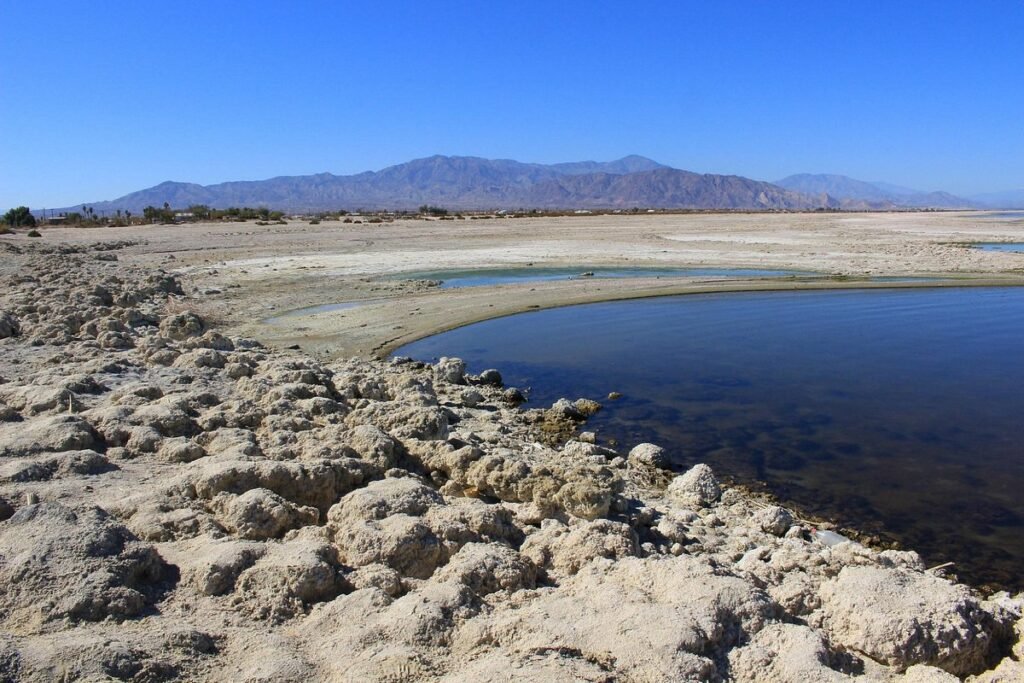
point(181, 505)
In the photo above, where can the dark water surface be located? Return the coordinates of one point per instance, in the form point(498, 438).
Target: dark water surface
point(454, 279)
point(892, 411)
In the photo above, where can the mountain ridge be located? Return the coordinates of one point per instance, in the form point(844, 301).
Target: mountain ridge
point(476, 183)
point(862, 194)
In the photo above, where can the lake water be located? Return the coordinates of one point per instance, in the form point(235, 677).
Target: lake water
point(454, 279)
point(1016, 247)
point(1005, 215)
point(892, 411)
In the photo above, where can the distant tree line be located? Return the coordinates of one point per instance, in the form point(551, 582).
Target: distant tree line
point(202, 212)
point(18, 217)
point(429, 210)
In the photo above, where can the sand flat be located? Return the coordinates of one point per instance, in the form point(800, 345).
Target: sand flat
point(259, 272)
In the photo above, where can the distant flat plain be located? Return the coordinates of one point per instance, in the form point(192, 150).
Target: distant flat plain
point(248, 275)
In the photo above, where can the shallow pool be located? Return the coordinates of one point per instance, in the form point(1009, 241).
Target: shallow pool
point(453, 279)
point(895, 411)
point(1017, 247)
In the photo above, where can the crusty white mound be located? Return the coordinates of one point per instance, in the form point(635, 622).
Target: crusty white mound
point(178, 505)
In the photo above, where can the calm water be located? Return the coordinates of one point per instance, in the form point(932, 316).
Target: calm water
point(1017, 247)
point(1004, 215)
point(453, 279)
point(895, 411)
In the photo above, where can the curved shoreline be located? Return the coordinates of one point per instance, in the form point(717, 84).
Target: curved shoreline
point(372, 326)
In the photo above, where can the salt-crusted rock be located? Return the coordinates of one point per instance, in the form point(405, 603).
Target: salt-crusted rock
point(471, 398)
point(902, 617)
point(288, 579)
point(374, 445)
point(404, 629)
point(649, 456)
point(646, 619)
point(74, 564)
point(180, 449)
point(259, 514)
point(564, 408)
point(59, 465)
point(490, 377)
point(563, 550)
point(213, 567)
point(674, 525)
point(41, 397)
point(157, 525)
point(921, 673)
point(584, 496)
point(783, 653)
point(200, 358)
point(169, 418)
point(143, 439)
point(697, 487)
point(47, 434)
point(91, 656)
point(403, 421)
point(773, 520)
point(181, 326)
point(378, 576)
point(586, 407)
point(451, 370)
point(467, 520)
point(485, 568)
point(404, 543)
point(383, 498)
point(230, 443)
point(315, 483)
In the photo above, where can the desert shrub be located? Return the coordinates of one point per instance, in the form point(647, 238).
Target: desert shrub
point(34, 233)
point(314, 221)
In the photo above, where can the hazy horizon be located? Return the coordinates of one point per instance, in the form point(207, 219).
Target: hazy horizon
point(124, 96)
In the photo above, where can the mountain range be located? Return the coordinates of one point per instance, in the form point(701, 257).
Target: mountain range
point(860, 194)
point(473, 183)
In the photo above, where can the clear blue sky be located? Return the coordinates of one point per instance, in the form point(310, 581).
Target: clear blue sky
point(98, 99)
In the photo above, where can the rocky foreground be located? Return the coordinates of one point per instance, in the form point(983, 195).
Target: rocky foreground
point(179, 505)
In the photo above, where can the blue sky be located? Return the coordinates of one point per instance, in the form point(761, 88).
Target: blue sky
point(100, 99)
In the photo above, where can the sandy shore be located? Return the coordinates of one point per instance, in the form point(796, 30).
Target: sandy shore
point(246, 274)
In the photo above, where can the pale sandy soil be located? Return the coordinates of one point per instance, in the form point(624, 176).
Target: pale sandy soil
point(264, 271)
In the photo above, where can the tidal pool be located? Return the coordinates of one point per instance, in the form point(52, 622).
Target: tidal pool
point(1001, 246)
point(896, 412)
point(454, 279)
